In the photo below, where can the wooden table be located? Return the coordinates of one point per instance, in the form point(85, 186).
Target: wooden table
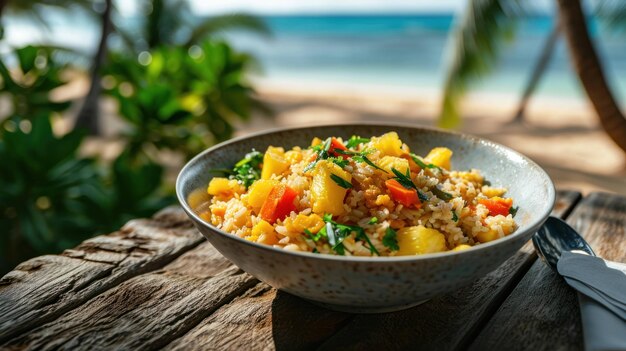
point(157, 284)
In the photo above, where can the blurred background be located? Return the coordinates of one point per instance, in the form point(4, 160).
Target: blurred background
point(102, 101)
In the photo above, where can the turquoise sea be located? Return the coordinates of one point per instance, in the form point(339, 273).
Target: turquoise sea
point(384, 51)
point(410, 51)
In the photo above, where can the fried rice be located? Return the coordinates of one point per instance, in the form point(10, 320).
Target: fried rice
point(436, 209)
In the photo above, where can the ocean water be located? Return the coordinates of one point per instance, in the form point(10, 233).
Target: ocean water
point(383, 51)
point(411, 51)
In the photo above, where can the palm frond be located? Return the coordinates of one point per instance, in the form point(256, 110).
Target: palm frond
point(475, 45)
point(221, 23)
point(613, 14)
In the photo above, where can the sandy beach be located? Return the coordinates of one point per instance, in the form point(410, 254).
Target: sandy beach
point(562, 135)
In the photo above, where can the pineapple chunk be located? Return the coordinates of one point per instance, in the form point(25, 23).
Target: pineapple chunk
point(326, 195)
point(389, 162)
point(461, 247)
point(274, 162)
point(312, 222)
point(259, 191)
point(388, 144)
point(263, 232)
point(420, 240)
point(487, 236)
point(293, 156)
point(224, 187)
point(439, 156)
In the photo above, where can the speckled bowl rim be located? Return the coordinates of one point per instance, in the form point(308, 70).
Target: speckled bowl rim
point(531, 227)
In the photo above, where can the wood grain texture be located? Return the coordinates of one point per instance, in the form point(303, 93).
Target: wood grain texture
point(46, 287)
point(447, 322)
point(543, 305)
point(263, 319)
point(147, 311)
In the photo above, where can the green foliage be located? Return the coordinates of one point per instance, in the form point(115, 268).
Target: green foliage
point(476, 43)
point(613, 14)
point(29, 83)
point(51, 199)
point(171, 23)
point(45, 189)
point(179, 99)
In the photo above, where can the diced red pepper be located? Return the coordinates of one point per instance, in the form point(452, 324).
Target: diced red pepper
point(337, 145)
point(279, 203)
point(402, 195)
point(497, 205)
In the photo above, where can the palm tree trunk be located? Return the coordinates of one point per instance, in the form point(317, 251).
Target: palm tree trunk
point(538, 71)
point(589, 69)
point(88, 117)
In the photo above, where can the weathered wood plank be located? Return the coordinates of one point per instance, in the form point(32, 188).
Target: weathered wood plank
point(46, 287)
point(544, 306)
point(263, 319)
point(147, 311)
point(446, 322)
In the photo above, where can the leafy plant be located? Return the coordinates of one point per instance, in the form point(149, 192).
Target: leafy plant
point(178, 99)
point(29, 83)
point(45, 190)
point(171, 23)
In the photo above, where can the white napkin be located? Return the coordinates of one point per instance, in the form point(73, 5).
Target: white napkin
point(602, 285)
point(603, 281)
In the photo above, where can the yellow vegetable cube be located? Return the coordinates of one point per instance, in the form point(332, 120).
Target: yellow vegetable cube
point(389, 162)
point(461, 247)
point(487, 236)
point(420, 240)
point(264, 233)
point(439, 156)
point(388, 144)
point(326, 195)
point(259, 191)
point(224, 187)
point(316, 141)
point(312, 222)
point(274, 162)
point(293, 156)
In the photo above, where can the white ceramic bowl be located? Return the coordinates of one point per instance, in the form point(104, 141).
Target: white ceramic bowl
point(378, 284)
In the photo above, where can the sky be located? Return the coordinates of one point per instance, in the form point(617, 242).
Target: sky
point(322, 6)
point(208, 7)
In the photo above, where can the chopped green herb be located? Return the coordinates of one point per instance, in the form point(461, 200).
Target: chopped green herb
point(405, 181)
point(339, 161)
point(337, 232)
point(455, 217)
point(363, 158)
point(340, 181)
point(390, 240)
point(248, 169)
point(441, 194)
point(513, 210)
point(314, 237)
point(421, 163)
point(315, 250)
point(360, 234)
point(373, 220)
point(486, 182)
point(321, 150)
point(355, 141)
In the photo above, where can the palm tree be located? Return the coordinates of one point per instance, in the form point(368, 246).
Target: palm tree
point(590, 72)
point(165, 24)
point(88, 115)
point(487, 22)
